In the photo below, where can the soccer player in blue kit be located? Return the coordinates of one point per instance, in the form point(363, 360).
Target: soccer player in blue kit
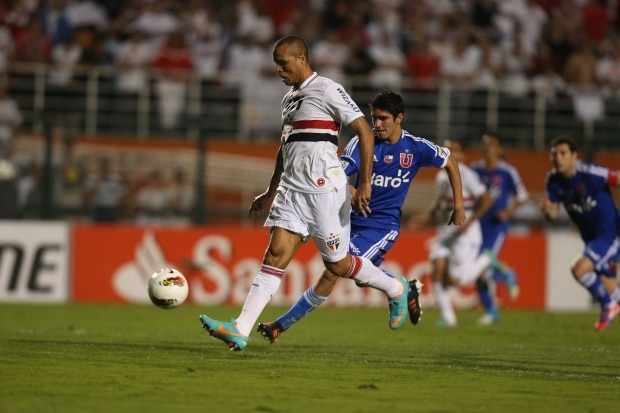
point(398, 156)
point(584, 190)
point(508, 192)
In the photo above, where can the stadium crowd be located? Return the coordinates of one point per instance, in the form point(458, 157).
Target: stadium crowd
point(521, 47)
point(518, 45)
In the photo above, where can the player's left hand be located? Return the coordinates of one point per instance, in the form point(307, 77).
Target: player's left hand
point(361, 199)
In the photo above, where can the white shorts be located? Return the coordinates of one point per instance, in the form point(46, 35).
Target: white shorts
point(461, 251)
point(325, 217)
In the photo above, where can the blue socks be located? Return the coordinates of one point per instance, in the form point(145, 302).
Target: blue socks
point(304, 305)
point(594, 285)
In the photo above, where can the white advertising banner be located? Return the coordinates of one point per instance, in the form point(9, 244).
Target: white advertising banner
point(34, 259)
point(563, 291)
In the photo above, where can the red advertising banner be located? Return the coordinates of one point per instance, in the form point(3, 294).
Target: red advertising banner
point(114, 263)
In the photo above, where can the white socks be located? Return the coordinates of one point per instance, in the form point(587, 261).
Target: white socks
point(369, 274)
point(263, 287)
point(472, 272)
point(444, 303)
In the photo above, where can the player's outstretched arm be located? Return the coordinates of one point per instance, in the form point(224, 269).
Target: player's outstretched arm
point(263, 201)
point(361, 198)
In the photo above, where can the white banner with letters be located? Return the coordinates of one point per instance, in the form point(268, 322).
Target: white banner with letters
point(34, 257)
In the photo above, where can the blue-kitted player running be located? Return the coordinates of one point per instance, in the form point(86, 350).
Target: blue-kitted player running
point(398, 156)
point(508, 192)
point(584, 191)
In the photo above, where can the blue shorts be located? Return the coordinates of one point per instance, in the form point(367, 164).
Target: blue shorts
point(604, 253)
point(493, 239)
point(372, 243)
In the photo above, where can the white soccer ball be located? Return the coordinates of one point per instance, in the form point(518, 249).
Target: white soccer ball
point(168, 288)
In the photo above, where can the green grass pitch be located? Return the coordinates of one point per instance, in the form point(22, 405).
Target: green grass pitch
point(123, 358)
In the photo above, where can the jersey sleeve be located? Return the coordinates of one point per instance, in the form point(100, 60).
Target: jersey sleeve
point(432, 154)
point(599, 175)
point(340, 105)
point(518, 188)
point(472, 181)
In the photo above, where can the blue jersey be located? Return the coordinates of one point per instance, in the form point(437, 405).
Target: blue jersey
point(394, 167)
point(503, 184)
point(587, 199)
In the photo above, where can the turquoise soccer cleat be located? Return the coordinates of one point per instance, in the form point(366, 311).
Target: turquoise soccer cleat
point(399, 306)
point(225, 331)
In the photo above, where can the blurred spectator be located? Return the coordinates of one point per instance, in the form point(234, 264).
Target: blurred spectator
point(520, 18)
point(10, 119)
point(515, 65)
point(207, 43)
point(27, 183)
point(580, 71)
point(389, 63)
point(132, 60)
point(246, 60)
point(582, 83)
point(87, 13)
point(459, 69)
point(608, 70)
point(423, 66)
point(491, 63)
point(151, 200)
point(482, 14)
point(9, 205)
point(336, 13)
point(385, 20)
point(545, 72)
point(55, 22)
point(172, 65)
point(33, 45)
point(461, 66)
point(19, 16)
point(360, 64)
point(105, 193)
point(181, 196)
point(596, 20)
point(72, 172)
point(252, 21)
point(356, 25)
point(284, 13)
point(65, 94)
point(329, 56)
point(156, 22)
point(6, 49)
point(95, 52)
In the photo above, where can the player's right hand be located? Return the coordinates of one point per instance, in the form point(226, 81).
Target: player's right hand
point(458, 217)
point(259, 204)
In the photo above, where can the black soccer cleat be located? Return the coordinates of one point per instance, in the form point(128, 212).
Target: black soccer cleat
point(413, 301)
point(271, 331)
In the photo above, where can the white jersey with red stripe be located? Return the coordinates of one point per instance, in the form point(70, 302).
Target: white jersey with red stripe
point(312, 117)
point(461, 250)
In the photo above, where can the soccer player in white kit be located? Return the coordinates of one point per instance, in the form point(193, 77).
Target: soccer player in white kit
point(308, 193)
point(455, 253)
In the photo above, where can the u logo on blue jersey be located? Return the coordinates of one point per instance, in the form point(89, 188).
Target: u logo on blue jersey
point(406, 159)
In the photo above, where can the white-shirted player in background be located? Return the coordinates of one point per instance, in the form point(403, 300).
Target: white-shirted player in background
point(455, 253)
point(308, 194)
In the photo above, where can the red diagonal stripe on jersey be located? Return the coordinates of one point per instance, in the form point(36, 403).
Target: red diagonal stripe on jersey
point(316, 124)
